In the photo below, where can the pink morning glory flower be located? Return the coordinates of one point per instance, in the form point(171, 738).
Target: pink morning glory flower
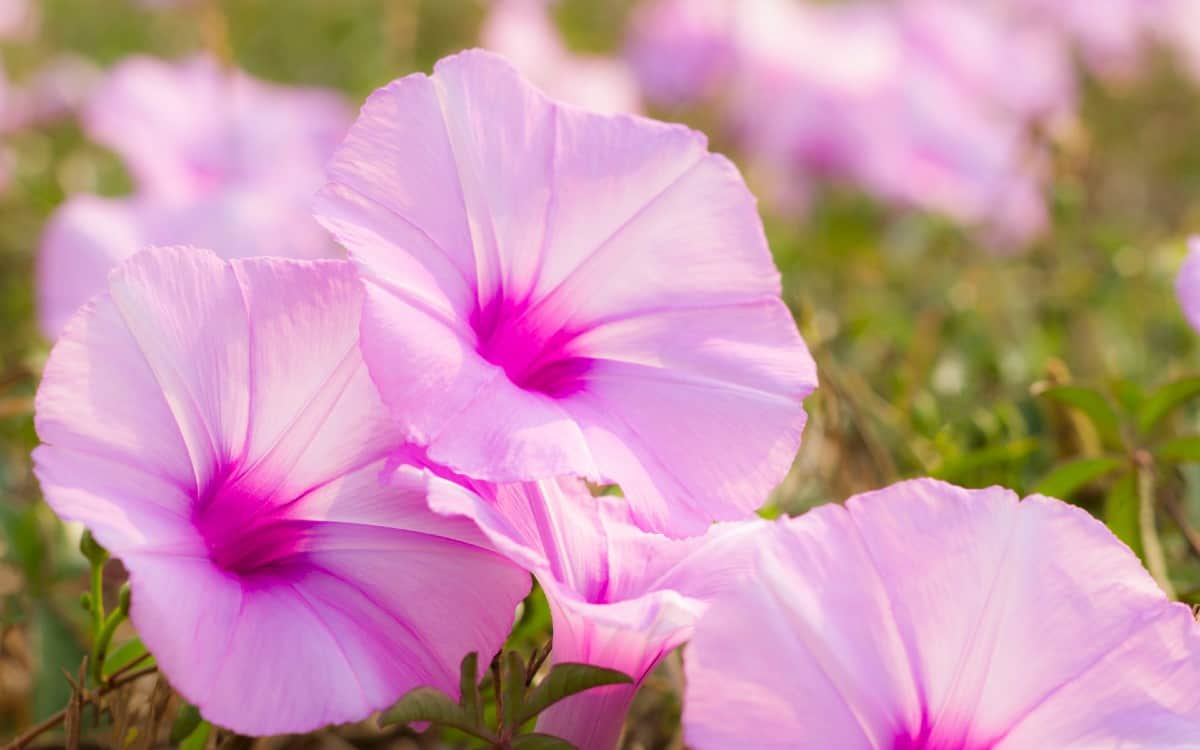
point(221, 160)
point(1187, 285)
point(213, 424)
point(188, 128)
point(552, 292)
point(523, 31)
point(620, 597)
point(914, 103)
point(1111, 36)
point(927, 616)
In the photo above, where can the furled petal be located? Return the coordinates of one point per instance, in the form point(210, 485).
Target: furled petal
point(975, 621)
point(214, 425)
point(620, 597)
point(1187, 286)
point(529, 256)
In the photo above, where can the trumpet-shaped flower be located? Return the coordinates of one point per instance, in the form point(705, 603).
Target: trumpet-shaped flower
point(221, 160)
point(620, 597)
point(554, 292)
point(214, 426)
point(925, 616)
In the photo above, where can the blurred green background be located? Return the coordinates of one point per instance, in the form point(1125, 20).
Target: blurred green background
point(936, 357)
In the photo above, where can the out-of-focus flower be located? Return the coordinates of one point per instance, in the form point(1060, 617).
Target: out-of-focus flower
point(620, 597)
point(1111, 36)
point(191, 128)
point(929, 616)
point(523, 31)
point(53, 92)
point(575, 293)
point(19, 19)
point(917, 103)
point(213, 424)
point(1180, 29)
point(1187, 285)
point(682, 50)
point(220, 160)
point(1020, 69)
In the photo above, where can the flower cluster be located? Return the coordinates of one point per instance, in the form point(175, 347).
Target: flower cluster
point(330, 480)
point(940, 105)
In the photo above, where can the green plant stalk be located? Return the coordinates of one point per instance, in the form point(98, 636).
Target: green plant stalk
point(101, 641)
point(1155, 559)
point(97, 604)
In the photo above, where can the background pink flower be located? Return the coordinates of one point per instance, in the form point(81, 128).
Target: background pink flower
point(621, 597)
point(523, 32)
point(221, 160)
point(924, 104)
point(189, 128)
point(552, 292)
point(929, 616)
point(1187, 285)
point(213, 424)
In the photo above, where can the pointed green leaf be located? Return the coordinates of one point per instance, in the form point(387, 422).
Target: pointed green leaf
point(1121, 512)
point(513, 677)
point(1068, 478)
point(1179, 450)
point(186, 722)
point(540, 742)
point(1165, 400)
point(1093, 405)
point(432, 705)
point(565, 680)
point(468, 686)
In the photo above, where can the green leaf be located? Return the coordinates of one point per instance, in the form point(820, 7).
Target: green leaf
point(186, 722)
point(1068, 478)
point(430, 704)
point(1092, 404)
point(513, 689)
point(1179, 450)
point(55, 649)
point(197, 739)
point(126, 654)
point(468, 686)
point(958, 466)
point(535, 621)
point(540, 742)
point(565, 680)
point(1121, 512)
point(1165, 400)
point(1129, 394)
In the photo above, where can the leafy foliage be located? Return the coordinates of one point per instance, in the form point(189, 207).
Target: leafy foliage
point(518, 701)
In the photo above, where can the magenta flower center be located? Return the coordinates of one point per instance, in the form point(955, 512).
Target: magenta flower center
point(927, 739)
point(534, 355)
point(247, 533)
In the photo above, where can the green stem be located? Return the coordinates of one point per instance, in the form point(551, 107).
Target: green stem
point(100, 645)
point(1156, 561)
point(97, 604)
